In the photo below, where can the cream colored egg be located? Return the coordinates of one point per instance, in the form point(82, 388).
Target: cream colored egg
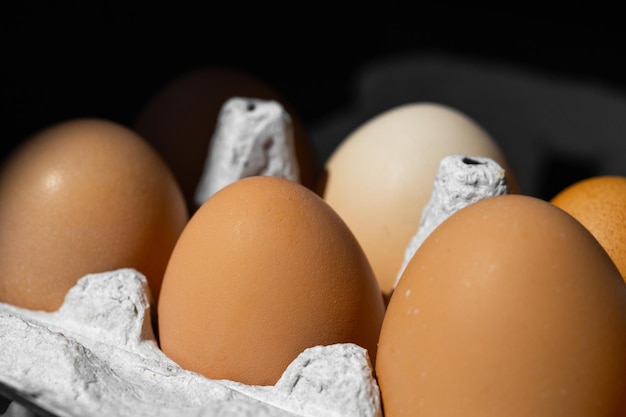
point(381, 176)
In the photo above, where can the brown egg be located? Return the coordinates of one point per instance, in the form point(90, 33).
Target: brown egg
point(263, 270)
point(509, 308)
point(180, 120)
point(599, 203)
point(80, 197)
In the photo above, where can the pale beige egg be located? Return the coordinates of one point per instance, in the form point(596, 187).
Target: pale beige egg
point(381, 176)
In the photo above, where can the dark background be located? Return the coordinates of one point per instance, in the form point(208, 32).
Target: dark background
point(65, 59)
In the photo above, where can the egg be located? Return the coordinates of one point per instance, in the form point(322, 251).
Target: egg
point(264, 269)
point(510, 307)
point(180, 120)
point(83, 196)
point(599, 203)
point(381, 176)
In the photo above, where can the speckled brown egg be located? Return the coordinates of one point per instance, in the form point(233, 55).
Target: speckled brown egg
point(599, 203)
point(509, 308)
point(264, 269)
point(79, 197)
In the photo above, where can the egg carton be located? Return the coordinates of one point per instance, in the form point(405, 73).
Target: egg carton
point(97, 356)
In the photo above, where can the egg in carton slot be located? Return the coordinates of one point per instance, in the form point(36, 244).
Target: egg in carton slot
point(97, 353)
point(97, 356)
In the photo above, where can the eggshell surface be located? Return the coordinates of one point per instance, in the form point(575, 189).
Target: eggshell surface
point(509, 308)
point(179, 121)
point(381, 176)
point(263, 270)
point(83, 196)
point(599, 203)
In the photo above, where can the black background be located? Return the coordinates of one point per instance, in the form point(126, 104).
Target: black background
point(106, 58)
